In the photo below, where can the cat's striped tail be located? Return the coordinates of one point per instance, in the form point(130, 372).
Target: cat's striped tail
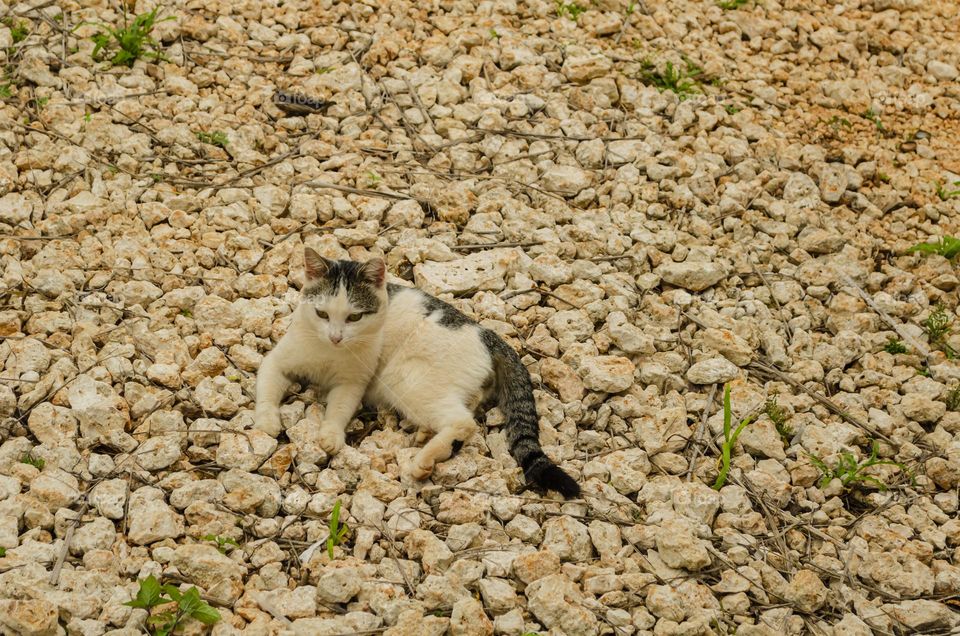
point(515, 398)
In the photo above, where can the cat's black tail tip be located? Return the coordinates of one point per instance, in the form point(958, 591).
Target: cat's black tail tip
point(551, 477)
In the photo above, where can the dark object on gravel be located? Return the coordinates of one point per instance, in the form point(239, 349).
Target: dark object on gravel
point(297, 104)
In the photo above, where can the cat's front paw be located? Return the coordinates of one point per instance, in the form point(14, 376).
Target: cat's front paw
point(331, 439)
point(268, 421)
point(419, 468)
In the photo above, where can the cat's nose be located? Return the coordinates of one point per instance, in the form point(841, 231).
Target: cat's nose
point(336, 338)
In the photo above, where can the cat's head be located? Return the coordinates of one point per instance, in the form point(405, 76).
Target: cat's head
point(344, 300)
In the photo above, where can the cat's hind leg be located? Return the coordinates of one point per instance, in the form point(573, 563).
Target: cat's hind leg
point(423, 435)
point(454, 427)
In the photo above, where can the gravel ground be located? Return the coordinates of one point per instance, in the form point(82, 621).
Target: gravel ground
point(647, 200)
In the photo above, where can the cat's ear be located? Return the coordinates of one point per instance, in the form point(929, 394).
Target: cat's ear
point(315, 265)
point(375, 271)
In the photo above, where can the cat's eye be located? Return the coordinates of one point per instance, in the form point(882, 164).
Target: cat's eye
point(322, 315)
point(354, 317)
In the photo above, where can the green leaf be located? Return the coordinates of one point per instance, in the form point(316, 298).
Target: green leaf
point(727, 412)
point(172, 591)
point(160, 619)
point(206, 614)
point(330, 545)
point(148, 595)
point(190, 601)
point(335, 516)
point(736, 433)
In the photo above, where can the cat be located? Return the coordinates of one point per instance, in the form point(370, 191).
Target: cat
point(400, 348)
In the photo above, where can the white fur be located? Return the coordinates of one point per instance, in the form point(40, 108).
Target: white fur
point(397, 358)
point(307, 351)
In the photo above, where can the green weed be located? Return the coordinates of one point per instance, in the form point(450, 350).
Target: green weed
point(571, 10)
point(494, 35)
point(947, 247)
point(3, 552)
point(222, 542)
point(18, 30)
point(33, 460)
point(894, 346)
point(337, 530)
point(779, 418)
point(937, 325)
point(323, 70)
point(730, 436)
point(683, 82)
point(944, 191)
point(732, 109)
point(953, 399)
point(836, 122)
point(875, 118)
point(5, 91)
point(188, 604)
point(216, 138)
point(850, 472)
point(884, 177)
point(131, 41)
point(728, 5)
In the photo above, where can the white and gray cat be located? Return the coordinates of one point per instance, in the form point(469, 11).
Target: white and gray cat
point(400, 348)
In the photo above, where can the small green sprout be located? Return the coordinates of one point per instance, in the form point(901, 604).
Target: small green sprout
point(850, 472)
point(728, 5)
point(337, 530)
point(5, 92)
point(953, 399)
point(730, 436)
point(33, 460)
point(947, 246)
point(216, 138)
point(944, 191)
point(188, 604)
point(222, 542)
point(836, 122)
point(323, 70)
point(683, 82)
point(571, 10)
point(779, 418)
point(894, 346)
point(129, 41)
point(937, 325)
point(875, 118)
point(18, 30)
point(494, 35)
